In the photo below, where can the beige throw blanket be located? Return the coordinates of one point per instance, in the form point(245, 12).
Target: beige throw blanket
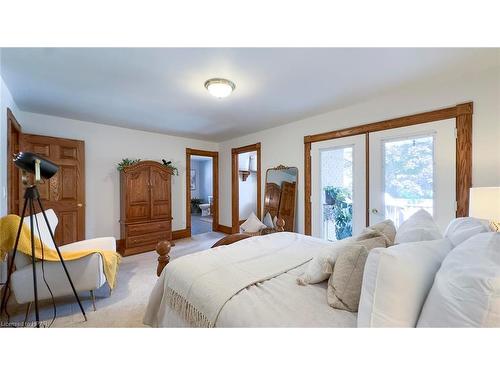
point(197, 286)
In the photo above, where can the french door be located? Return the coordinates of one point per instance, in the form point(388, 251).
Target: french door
point(408, 169)
point(413, 168)
point(338, 187)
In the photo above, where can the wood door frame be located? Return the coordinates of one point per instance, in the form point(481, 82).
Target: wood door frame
point(235, 191)
point(215, 190)
point(12, 172)
point(463, 117)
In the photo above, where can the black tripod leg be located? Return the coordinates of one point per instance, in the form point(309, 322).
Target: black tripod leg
point(33, 262)
point(11, 266)
point(61, 258)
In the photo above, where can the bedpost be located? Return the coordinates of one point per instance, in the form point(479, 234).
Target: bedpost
point(163, 250)
point(280, 225)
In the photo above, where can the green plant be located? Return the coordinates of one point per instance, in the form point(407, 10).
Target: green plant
point(341, 213)
point(168, 164)
point(195, 204)
point(126, 162)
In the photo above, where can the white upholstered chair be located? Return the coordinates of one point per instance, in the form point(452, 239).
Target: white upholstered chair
point(86, 273)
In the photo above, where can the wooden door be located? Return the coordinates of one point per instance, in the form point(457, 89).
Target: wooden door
point(65, 192)
point(138, 196)
point(287, 205)
point(160, 193)
point(13, 176)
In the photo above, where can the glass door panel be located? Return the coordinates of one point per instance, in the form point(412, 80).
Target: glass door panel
point(338, 187)
point(413, 168)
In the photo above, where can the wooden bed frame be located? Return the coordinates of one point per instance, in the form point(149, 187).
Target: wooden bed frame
point(163, 247)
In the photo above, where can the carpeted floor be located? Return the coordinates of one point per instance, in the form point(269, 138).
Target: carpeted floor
point(126, 305)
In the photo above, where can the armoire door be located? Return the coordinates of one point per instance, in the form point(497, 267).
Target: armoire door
point(65, 192)
point(138, 195)
point(160, 194)
point(287, 205)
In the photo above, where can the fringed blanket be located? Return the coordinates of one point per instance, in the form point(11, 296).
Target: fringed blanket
point(197, 286)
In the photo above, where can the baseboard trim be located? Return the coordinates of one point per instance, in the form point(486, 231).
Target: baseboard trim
point(224, 229)
point(181, 233)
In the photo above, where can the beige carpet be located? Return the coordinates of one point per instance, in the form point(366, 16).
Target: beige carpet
point(126, 305)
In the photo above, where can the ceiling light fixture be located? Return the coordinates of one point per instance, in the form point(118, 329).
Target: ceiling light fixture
point(220, 87)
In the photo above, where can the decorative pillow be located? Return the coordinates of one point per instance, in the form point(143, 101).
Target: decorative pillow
point(321, 266)
point(385, 227)
point(275, 220)
point(268, 221)
point(463, 228)
point(252, 224)
point(319, 269)
point(396, 282)
point(419, 227)
point(466, 290)
point(344, 285)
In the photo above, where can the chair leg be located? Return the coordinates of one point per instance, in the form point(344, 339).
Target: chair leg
point(93, 299)
point(27, 313)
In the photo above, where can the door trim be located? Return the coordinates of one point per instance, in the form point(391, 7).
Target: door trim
point(215, 189)
point(12, 172)
point(235, 204)
point(461, 112)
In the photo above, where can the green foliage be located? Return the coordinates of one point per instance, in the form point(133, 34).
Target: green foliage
point(126, 162)
point(341, 212)
point(409, 168)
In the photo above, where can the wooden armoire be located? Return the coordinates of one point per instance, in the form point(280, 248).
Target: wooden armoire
point(146, 209)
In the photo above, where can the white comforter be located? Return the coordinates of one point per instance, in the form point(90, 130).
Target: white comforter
point(277, 302)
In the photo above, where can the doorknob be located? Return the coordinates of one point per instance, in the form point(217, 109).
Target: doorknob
point(80, 205)
point(374, 211)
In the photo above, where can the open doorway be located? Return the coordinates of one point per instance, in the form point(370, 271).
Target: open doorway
point(246, 184)
point(201, 191)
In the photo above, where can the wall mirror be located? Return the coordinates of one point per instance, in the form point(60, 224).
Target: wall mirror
point(280, 197)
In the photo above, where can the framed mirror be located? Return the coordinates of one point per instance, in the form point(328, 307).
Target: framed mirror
point(280, 196)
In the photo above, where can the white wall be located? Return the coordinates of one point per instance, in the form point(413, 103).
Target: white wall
point(285, 144)
point(247, 189)
point(6, 101)
point(105, 146)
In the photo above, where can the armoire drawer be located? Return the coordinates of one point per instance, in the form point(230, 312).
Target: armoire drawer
point(139, 229)
point(145, 239)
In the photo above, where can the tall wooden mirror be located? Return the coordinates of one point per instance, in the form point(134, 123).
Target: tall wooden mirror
point(280, 197)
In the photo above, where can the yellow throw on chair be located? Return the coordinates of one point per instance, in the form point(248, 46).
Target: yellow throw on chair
point(8, 231)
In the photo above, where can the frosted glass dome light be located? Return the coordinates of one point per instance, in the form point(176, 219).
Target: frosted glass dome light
point(220, 87)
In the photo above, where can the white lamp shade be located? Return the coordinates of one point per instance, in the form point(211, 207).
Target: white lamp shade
point(484, 203)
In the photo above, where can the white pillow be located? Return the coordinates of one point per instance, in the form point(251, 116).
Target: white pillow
point(252, 224)
point(463, 228)
point(396, 281)
point(268, 221)
point(418, 227)
point(466, 290)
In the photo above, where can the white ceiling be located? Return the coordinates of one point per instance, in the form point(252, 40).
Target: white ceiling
point(161, 89)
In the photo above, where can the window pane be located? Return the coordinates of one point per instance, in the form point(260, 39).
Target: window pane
point(336, 193)
point(408, 177)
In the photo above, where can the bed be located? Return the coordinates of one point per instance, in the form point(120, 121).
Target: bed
point(247, 283)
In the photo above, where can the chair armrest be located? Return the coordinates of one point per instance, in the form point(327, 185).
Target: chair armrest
point(101, 243)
